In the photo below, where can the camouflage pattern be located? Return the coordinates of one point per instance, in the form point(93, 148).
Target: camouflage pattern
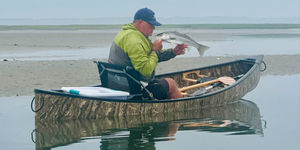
point(61, 106)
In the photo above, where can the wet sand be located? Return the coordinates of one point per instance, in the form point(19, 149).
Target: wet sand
point(36, 40)
point(19, 78)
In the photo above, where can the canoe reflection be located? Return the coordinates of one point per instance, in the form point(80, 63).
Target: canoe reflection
point(136, 132)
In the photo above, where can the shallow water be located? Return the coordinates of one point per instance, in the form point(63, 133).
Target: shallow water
point(274, 102)
point(63, 54)
point(244, 42)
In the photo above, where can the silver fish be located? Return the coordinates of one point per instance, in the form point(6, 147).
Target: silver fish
point(175, 37)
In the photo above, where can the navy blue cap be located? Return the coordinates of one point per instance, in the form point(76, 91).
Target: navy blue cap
point(147, 15)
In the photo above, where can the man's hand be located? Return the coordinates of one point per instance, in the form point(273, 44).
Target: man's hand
point(157, 45)
point(180, 49)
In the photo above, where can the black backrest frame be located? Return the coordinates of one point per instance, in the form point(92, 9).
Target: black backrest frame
point(119, 78)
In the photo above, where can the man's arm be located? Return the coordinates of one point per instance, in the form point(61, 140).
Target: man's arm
point(164, 55)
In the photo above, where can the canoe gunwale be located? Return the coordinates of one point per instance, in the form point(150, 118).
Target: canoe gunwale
point(256, 60)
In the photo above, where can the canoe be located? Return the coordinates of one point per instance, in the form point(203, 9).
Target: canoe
point(60, 105)
point(240, 117)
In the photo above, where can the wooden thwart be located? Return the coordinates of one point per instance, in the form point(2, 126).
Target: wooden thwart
point(197, 72)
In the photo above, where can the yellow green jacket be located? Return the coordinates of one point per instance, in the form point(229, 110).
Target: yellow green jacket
point(131, 48)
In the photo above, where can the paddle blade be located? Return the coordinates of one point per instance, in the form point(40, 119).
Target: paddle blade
point(227, 80)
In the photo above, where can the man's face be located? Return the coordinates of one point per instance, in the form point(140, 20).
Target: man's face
point(146, 28)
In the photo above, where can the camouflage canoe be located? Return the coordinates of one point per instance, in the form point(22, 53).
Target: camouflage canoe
point(59, 105)
point(240, 117)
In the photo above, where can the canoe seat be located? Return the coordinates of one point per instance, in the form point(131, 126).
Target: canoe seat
point(121, 78)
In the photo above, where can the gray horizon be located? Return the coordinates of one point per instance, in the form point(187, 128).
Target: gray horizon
point(164, 20)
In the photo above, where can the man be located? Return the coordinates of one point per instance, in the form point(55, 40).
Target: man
point(132, 47)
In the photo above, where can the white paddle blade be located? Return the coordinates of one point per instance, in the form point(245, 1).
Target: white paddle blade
point(227, 80)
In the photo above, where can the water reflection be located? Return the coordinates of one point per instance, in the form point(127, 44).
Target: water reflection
point(142, 132)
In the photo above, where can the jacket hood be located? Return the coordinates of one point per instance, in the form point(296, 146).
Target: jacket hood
point(129, 27)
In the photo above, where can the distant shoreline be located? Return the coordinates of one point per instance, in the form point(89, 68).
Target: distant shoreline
point(165, 26)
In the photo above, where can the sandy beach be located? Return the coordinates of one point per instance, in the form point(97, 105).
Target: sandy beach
point(21, 77)
point(18, 78)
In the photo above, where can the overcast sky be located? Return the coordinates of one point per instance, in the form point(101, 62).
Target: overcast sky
point(40, 9)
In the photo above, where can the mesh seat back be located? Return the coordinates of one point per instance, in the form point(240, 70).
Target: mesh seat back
point(116, 77)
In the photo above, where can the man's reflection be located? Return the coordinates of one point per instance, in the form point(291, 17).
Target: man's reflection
point(143, 137)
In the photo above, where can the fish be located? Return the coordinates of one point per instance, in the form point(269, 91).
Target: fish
point(175, 37)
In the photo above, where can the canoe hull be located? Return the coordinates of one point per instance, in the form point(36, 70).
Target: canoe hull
point(60, 106)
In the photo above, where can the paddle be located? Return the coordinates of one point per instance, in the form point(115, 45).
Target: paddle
point(205, 90)
point(224, 80)
point(202, 90)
